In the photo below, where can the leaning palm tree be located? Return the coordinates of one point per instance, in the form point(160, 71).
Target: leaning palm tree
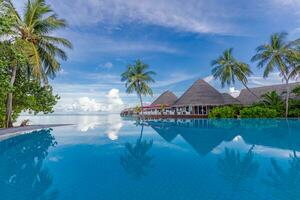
point(34, 31)
point(137, 79)
point(228, 69)
point(282, 55)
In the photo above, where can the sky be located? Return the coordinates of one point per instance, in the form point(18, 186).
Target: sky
point(178, 39)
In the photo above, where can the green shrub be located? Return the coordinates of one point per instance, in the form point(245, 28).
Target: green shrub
point(258, 112)
point(224, 112)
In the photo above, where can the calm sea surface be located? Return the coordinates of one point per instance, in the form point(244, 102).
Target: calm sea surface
point(105, 157)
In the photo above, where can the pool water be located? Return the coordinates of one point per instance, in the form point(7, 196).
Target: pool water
point(106, 157)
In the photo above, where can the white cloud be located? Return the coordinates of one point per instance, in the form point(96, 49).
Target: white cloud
point(107, 65)
point(273, 79)
point(197, 16)
point(85, 104)
point(115, 125)
point(234, 92)
point(89, 45)
point(115, 103)
point(111, 102)
point(173, 78)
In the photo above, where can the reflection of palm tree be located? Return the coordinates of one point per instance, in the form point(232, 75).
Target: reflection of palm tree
point(135, 159)
point(22, 174)
point(235, 168)
point(286, 184)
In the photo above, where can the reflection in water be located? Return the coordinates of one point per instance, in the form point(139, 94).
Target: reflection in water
point(240, 169)
point(22, 175)
point(285, 182)
point(236, 168)
point(205, 135)
point(135, 160)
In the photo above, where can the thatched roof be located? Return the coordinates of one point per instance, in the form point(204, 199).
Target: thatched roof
point(200, 93)
point(229, 100)
point(247, 98)
point(166, 98)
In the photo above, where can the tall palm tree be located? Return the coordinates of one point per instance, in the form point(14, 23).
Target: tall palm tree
point(137, 79)
point(228, 69)
point(282, 55)
point(34, 31)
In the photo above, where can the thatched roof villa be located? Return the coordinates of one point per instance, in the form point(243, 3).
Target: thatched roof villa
point(247, 98)
point(200, 98)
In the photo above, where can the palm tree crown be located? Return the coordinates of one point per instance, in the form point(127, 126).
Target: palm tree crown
point(34, 30)
point(228, 69)
point(282, 55)
point(137, 79)
point(277, 54)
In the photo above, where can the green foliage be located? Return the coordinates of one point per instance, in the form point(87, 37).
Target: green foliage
point(294, 108)
point(224, 112)
point(274, 101)
point(137, 78)
point(258, 112)
point(296, 91)
point(7, 19)
point(28, 94)
point(228, 69)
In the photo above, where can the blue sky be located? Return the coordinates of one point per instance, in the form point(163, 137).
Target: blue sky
point(177, 38)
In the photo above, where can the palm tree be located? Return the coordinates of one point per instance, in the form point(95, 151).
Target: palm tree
point(282, 55)
point(42, 50)
point(228, 69)
point(162, 107)
point(137, 79)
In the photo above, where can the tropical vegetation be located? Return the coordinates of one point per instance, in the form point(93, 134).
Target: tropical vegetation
point(279, 55)
point(282, 55)
point(137, 79)
point(29, 56)
point(228, 69)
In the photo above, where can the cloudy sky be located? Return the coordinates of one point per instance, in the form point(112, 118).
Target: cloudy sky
point(177, 38)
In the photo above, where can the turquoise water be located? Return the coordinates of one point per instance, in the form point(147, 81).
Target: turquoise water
point(105, 157)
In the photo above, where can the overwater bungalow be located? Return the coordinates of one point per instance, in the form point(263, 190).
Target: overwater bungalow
point(200, 98)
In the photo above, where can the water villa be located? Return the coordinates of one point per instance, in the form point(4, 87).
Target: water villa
point(199, 99)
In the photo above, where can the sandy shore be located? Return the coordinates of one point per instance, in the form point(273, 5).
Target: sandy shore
point(10, 132)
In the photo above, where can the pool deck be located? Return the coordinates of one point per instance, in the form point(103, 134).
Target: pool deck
point(11, 132)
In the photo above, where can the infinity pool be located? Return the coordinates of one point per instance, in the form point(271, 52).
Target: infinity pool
point(105, 157)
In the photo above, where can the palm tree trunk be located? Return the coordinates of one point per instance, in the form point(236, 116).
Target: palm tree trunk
point(287, 98)
point(142, 110)
point(9, 122)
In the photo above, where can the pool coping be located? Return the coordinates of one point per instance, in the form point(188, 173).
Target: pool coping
point(11, 132)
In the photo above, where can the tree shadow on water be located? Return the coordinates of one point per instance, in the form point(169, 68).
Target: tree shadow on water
point(22, 175)
point(135, 159)
point(285, 182)
point(235, 168)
